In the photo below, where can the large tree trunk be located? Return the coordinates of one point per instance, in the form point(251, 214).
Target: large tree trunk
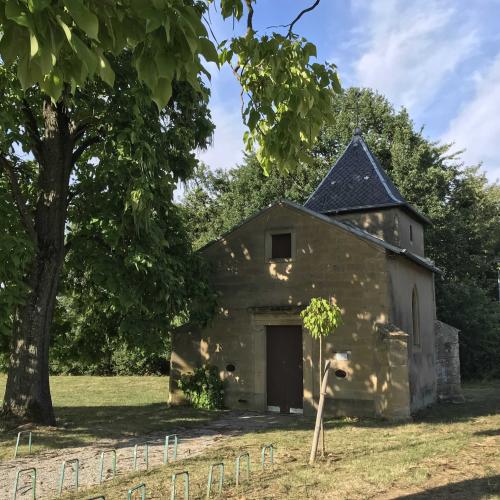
point(27, 394)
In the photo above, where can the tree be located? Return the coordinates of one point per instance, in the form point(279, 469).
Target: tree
point(321, 318)
point(464, 208)
point(124, 244)
point(124, 286)
point(53, 54)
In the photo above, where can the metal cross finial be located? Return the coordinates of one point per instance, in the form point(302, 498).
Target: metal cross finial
point(357, 95)
point(355, 108)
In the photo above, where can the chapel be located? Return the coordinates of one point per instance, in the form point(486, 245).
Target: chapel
point(355, 241)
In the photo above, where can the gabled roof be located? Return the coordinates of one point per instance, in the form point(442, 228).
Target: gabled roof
point(357, 182)
point(360, 233)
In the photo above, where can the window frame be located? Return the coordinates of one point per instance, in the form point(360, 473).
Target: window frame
point(269, 244)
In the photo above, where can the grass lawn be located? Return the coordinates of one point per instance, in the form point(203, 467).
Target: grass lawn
point(449, 451)
point(90, 408)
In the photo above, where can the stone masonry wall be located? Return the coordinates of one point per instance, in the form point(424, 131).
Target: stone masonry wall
point(448, 363)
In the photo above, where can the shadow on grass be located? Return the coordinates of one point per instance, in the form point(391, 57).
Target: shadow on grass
point(82, 425)
point(471, 489)
point(490, 432)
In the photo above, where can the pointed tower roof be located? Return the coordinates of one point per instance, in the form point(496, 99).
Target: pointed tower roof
point(357, 182)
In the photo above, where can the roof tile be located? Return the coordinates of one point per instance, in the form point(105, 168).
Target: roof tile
point(355, 181)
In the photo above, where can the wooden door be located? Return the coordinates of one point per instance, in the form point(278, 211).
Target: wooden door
point(284, 367)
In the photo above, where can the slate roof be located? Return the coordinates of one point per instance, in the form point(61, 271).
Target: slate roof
point(356, 182)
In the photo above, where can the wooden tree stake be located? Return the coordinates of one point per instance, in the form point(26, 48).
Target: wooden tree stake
point(319, 415)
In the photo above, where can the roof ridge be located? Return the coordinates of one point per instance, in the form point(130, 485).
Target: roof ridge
point(357, 179)
point(379, 173)
point(329, 171)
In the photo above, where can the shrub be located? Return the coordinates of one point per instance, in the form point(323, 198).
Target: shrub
point(204, 388)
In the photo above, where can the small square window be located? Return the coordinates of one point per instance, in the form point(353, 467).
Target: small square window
point(281, 246)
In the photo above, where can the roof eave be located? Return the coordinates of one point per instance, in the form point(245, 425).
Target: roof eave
point(356, 231)
point(382, 206)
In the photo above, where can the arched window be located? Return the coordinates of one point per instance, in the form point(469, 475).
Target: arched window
point(415, 317)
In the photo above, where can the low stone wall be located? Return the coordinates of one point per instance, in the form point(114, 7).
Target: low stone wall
point(449, 386)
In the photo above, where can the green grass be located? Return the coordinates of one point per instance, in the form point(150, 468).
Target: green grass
point(449, 449)
point(89, 408)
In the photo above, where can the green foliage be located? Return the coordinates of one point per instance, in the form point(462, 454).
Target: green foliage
point(67, 43)
point(470, 309)
point(464, 208)
point(15, 255)
point(285, 122)
point(321, 318)
point(203, 388)
point(130, 273)
point(70, 41)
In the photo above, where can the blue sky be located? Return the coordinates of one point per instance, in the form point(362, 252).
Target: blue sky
point(440, 59)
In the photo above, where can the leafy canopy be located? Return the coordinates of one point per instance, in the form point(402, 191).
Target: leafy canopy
point(321, 317)
point(129, 271)
point(62, 43)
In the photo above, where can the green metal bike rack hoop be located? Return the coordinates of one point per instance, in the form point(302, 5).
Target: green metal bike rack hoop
point(141, 488)
point(245, 456)
point(266, 447)
point(167, 446)
point(220, 466)
point(146, 455)
point(185, 474)
point(101, 463)
point(19, 434)
point(33, 482)
point(74, 463)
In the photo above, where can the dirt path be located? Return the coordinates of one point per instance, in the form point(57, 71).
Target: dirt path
point(192, 441)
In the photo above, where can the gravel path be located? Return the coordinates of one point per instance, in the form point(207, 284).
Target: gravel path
point(192, 441)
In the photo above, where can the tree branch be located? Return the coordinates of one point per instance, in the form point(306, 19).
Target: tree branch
point(78, 130)
point(305, 11)
point(19, 199)
point(32, 130)
point(83, 147)
point(299, 15)
point(250, 16)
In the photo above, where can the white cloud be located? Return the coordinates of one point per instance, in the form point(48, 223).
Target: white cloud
point(411, 48)
point(476, 127)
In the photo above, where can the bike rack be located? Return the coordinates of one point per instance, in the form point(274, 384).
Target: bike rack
point(141, 487)
point(266, 447)
point(101, 463)
point(185, 474)
point(220, 466)
point(100, 497)
point(75, 465)
point(246, 456)
point(166, 448)
point(19, 434)
point(146, 455)
point(33, 482)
